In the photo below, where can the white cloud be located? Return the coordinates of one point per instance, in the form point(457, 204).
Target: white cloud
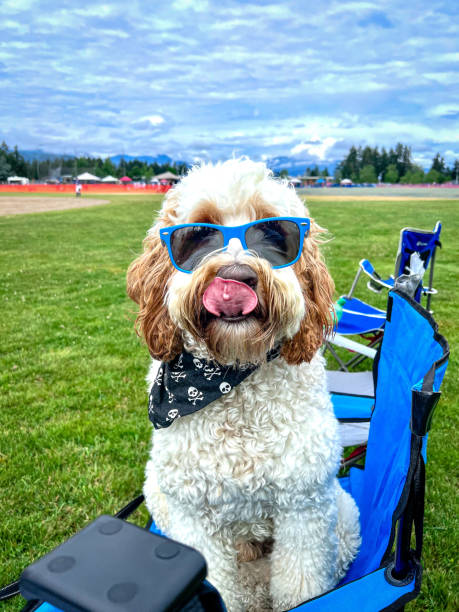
point(21, 28)
point(98, 10)
point(447, 78)
point(445, 57)
point(154, 120)
point(444, 110)
point(354, 8)
point(115, 33)
point(318, 150)
point(194, 5)
point(16, 45)
point(16, 6)
point(270, 141)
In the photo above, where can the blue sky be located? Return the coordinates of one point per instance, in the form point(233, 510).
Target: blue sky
point(202, 79)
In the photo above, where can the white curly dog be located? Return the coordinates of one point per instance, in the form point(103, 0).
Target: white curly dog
point(250, 479)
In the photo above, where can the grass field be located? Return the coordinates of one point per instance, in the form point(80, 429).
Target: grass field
point(74, 431)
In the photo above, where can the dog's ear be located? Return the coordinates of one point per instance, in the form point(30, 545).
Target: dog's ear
point(317, 287)
point(147, 279)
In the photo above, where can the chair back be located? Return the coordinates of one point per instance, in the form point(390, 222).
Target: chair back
point(422, 242)
point(413, 358)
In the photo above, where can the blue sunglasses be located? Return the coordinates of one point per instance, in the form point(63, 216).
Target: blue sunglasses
point(279, 240)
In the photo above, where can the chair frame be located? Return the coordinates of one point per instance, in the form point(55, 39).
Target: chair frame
point(376, 284)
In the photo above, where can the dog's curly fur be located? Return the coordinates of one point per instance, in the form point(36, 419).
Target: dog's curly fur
point(249, 480)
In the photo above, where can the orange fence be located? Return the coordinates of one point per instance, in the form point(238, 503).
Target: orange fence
point(95, 188)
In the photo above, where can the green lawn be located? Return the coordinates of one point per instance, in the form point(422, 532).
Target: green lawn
point(74, 431)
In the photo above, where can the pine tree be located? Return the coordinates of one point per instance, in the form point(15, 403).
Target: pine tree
point(391, 175)
point(383, 162)
point(455, 171)
point(368, 174)
point(438, 164)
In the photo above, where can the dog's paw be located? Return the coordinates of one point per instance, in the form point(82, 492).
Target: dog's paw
point(297, 584)
point(287, 601)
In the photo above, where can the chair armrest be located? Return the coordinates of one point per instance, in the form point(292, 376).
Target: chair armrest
point(369, 270)
point(427, 290)
point(351, 345)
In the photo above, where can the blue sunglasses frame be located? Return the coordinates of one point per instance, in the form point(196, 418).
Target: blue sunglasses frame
point(238, 231)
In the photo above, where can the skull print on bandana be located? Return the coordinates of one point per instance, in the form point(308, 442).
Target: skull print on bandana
point(186, 384)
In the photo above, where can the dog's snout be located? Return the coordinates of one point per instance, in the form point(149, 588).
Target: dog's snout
point(239, 272)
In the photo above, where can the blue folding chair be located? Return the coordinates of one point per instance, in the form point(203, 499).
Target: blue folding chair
point(424, 243)
point(356, 317)
point(389, 489)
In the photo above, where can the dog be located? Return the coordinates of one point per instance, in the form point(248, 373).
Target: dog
point(232, 280)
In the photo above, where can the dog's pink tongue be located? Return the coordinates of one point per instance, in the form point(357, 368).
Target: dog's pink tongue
point(229, 298)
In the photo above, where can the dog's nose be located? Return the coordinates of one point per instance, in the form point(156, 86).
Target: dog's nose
point(239, 272)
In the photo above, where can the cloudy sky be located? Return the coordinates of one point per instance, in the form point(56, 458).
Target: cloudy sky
point(211, 79)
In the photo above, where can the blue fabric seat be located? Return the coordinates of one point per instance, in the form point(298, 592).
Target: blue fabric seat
point(358, 317)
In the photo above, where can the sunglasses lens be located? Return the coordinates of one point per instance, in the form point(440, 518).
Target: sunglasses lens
point(189, 245)
point(278, 241)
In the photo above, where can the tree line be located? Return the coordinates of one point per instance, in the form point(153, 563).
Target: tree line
point(369, 165)
point(361, 165)
point(13, 163)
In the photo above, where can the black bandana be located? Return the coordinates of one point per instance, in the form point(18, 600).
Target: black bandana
point(186, 384)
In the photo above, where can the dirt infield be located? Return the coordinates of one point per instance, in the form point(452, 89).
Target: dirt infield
point(18, 205)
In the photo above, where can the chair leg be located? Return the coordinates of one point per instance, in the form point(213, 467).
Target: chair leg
point(342, 365)
point(375, 341)
point(355, 361)
point(354, 283)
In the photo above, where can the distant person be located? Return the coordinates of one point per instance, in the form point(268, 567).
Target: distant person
point(78, 190)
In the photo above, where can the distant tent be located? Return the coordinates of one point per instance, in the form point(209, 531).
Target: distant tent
point(17, 180)
point(295, 182)
point(110, 179)
point(167, 177)
point(125, 179)
point(346, 182)
point(86, 177)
